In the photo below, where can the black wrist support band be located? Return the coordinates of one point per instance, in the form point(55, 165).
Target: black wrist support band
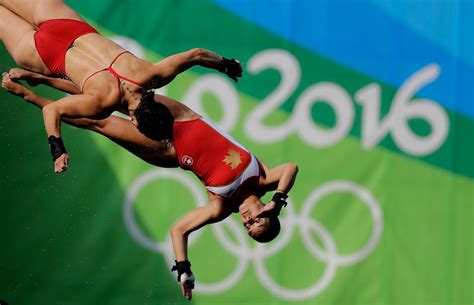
point(182, 267)
point(280, 199)
point(56, 146)
point(224, 65)
point(229, 66)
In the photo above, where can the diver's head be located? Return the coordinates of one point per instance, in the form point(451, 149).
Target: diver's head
point(262, 229)
point(153, 119)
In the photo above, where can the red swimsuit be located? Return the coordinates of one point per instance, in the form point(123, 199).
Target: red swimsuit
point(216, 158)
point(55, 37)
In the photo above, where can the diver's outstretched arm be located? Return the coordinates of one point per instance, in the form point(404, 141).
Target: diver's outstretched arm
point(214, 211)
point(197, 218)
point(167, 69)
point(117, 129)
point(279, 179)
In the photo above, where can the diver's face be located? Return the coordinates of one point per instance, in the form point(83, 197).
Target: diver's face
point(253, 225)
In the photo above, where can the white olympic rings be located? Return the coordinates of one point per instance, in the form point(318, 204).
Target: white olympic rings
point(257, 255)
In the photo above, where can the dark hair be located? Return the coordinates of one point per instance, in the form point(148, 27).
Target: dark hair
point(154, 119)
point(271, 230)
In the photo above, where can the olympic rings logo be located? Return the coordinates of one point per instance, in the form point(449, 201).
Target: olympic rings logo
point(246, 255)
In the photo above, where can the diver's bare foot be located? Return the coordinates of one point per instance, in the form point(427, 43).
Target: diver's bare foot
point(12, 86)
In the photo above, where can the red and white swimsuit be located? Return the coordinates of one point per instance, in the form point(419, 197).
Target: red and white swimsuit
point(215, 157)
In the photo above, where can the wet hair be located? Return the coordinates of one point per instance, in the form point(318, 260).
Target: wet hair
point(269, 232)
point(154, 119)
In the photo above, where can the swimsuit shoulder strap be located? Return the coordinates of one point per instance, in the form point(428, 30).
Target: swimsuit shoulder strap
point(116, 57)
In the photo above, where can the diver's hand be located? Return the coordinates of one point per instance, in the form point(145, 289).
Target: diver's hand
point(187, 285)
point(61, 163)
point(274, 206)
point(232, 68)
point(185, 278)
point(59, 154)
point(268, 210)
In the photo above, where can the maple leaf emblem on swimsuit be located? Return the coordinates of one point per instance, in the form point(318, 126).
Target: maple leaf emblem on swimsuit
point(232, 159)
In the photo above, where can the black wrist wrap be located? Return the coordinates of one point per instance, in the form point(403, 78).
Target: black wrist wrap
point(56, 146)
point(182, 267)
point(229, 66)
point(280, 199)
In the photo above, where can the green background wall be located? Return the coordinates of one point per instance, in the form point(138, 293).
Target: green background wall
point(352, 91)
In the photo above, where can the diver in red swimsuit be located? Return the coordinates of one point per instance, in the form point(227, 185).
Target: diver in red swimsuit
point(49, 37)
point(234, 178)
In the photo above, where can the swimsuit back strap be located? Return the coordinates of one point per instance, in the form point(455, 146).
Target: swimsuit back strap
point(119, 76)
point(93, 74)
point(114, 73)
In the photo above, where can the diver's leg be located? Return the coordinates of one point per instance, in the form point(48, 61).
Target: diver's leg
point(37, 11)
point(17, 36)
